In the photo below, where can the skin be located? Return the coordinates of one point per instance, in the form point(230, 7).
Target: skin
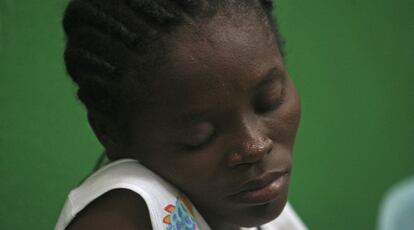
point(224, 112)
point(117, 209)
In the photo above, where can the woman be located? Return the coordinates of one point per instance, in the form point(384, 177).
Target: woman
point(195, 109)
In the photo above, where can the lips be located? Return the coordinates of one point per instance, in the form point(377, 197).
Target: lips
point(262, 189)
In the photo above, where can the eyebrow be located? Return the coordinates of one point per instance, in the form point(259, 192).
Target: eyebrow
point(189, 117)
point(270, 76)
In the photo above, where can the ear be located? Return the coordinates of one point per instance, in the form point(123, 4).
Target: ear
point(108, 133)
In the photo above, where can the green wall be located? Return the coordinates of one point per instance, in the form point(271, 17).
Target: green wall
point(352, 62)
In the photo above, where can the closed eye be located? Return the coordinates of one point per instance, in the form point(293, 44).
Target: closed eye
point(267, 106)
point(198, 146)
point(270, 96)
point(197, 136)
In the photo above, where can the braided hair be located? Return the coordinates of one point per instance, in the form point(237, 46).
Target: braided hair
point(115, 44)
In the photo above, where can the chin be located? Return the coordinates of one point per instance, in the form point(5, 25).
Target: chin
point(258, 215)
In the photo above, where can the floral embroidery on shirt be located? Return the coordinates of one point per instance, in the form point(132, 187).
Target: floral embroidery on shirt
point(180, 215)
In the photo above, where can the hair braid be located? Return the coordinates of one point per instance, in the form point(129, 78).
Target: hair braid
point(82, 57)
point(107, 39)
point(81, 13)
point(153, 10)
point(186, 3)
point(268, 6)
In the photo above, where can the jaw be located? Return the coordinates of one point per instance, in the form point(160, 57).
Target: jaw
point(228, 218)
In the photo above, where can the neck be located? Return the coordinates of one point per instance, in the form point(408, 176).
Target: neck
point(217, 223)
point(222, 226)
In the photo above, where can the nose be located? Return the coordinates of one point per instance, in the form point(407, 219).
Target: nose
point(251, 144)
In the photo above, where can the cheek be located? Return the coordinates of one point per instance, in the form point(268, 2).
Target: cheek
point(292, 112)
point(191, 172)
point(285, 122)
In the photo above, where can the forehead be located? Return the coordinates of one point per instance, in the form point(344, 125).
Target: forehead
point(217, 64)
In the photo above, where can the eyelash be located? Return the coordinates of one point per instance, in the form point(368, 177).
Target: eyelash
point(279, 101)
point(274, 105)
point(198, 147)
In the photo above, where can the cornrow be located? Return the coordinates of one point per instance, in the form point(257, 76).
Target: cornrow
point(186, 3)
point(88, 60)
point(109, 39)
point(268, 4)
point(152, 9)
point(80, 13)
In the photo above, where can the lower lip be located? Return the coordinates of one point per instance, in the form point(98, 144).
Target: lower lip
point(263, 195)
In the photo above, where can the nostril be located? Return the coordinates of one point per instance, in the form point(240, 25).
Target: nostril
point(270, 149)
point(237, 160)
point(266, 146)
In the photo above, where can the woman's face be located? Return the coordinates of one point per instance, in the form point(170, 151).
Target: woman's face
point(221, 123)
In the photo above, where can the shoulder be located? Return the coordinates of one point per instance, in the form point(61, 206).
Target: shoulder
point(397, 207)
point(117, 209)
point(288, 219)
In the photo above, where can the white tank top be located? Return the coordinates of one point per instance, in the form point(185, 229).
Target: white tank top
point(168, 208)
